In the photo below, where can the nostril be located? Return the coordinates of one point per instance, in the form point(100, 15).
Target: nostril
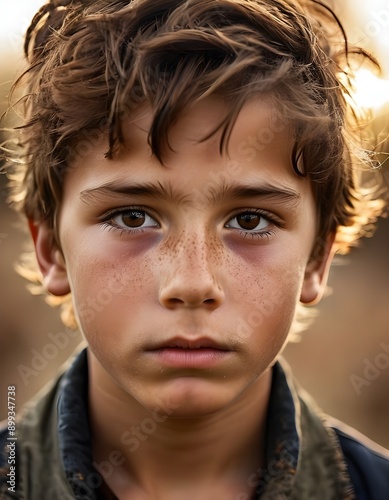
point(175, 301)
point(178, 293)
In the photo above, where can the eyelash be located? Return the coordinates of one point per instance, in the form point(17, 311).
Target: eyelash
point(109, 225)
point(274, 222)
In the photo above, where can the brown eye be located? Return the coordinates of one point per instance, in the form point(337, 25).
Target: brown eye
point(133, 218)
point(248, 221)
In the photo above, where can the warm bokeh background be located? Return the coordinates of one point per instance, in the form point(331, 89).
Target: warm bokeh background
point(332, 359)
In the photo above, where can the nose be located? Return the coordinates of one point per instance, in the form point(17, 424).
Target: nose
point(190, 278)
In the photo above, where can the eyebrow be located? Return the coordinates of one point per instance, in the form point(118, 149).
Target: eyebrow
point(215, 194)
point(114, 189)
point(264, 190)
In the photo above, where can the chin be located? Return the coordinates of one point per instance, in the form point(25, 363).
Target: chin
point(190, 398)
point(196, 409)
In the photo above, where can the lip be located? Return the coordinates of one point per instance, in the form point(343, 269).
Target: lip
point(186, 343)
point(190, 353)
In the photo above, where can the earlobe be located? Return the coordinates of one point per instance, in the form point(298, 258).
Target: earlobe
point(316, 274)
point(50, 259)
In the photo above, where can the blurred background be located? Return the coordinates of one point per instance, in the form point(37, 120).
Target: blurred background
point(343, 360)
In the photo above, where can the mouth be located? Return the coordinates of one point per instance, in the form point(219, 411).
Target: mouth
point(185, 343)
point(182, 352)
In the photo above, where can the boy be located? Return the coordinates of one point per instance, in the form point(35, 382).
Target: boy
point(188, 167)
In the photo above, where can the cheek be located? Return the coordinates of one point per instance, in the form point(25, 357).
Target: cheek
point(265, 292)
point(108, 288)
point(270, 273)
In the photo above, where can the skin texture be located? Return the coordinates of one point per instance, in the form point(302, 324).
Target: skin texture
point(200, 265)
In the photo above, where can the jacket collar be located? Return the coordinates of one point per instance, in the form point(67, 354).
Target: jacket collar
point(303, 455)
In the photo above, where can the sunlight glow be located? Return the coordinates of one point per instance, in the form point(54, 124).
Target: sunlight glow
point(371, 91)
point(14, 20)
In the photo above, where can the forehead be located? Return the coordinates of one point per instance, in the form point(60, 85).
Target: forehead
point(259, 122)
point(259, 149)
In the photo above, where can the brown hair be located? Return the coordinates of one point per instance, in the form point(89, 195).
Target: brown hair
point(92, 62)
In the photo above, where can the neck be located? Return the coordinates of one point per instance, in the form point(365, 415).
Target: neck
point(133, 446)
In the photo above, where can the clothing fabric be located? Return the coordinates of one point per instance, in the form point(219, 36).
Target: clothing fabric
point(308, 457)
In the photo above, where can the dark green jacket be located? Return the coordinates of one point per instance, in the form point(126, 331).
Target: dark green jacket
point(306, 457)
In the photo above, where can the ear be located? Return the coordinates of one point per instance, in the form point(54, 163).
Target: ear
point(50, 259)
point(316, 274)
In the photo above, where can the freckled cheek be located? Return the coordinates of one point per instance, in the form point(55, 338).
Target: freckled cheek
point(109, 288)
point(264, 290)
point(277, 265)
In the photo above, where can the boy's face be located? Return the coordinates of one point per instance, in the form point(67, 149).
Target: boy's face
point(185, 277)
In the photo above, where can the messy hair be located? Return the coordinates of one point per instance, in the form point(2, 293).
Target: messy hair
point(93, 62)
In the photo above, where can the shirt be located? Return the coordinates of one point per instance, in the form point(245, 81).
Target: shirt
point(308, 455)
